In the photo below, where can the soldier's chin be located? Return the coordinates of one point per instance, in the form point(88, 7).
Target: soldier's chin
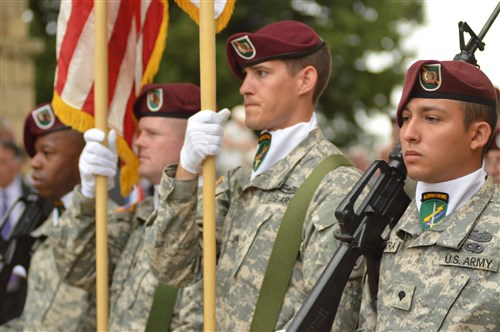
point(45, 194)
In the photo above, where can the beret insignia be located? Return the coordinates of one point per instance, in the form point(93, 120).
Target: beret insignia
point(244, 47)
point(430, 77)
point(155, 100)
point(44, 118)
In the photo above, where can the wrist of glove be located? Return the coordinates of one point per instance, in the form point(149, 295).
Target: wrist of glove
point(204, 134)
point(97, 159)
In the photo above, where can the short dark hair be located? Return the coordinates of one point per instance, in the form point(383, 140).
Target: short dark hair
point(321, 60)
point(478, 112)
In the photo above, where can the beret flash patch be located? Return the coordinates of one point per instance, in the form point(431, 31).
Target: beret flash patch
point(155, 100)
point(244, 47)
point(44, 118)
point(430, 77)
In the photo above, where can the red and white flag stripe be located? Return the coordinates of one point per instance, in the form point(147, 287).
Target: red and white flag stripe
point(137, 32)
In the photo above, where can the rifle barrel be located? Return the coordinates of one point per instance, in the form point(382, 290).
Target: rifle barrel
point(489, 22)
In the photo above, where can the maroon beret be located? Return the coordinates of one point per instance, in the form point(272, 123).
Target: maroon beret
point(41, 121)
point(281, 40)
point(174, 100)
point(457, 80)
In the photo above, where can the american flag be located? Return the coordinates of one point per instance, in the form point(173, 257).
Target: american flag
point(134, 54)
point(137, 34)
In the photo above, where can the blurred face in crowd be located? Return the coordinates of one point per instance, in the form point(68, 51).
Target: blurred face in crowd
point(159, 144)
point(492, 164)
point(270, 96)
point(10, 165)
point(55, 163)
point(435, 144)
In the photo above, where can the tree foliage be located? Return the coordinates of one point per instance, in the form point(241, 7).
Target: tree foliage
point(364, 36)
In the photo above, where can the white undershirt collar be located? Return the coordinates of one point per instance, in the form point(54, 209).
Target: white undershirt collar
point(459, 190)
point(283, 141)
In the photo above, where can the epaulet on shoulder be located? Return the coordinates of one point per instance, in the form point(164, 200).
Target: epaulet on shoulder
point(126, 208)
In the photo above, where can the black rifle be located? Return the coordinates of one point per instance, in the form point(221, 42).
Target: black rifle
point(475, 42)
point(360, 234)
point(16, 248)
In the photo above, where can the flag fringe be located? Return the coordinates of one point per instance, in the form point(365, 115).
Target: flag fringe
point(82, 121)
point(71, 116)
point(157, 54)
point(225, 16)
point(194, 13)
point(129, 175)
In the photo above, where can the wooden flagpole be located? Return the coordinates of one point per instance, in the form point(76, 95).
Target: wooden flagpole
point(101, 112)
point(207, 85)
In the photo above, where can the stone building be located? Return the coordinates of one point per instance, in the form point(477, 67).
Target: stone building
point(17, 68)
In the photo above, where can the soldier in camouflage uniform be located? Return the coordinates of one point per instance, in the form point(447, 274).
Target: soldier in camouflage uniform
point(284, 67)
point(439, 271)
point(52, 305)
point(162, 110)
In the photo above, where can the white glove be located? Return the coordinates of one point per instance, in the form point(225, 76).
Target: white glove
point(97, 159)
point(203, 138)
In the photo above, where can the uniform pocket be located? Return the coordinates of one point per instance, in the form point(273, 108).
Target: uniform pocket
point(247, 239)
point(428, 303)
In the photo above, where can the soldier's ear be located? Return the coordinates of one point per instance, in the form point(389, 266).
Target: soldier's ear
point(308, 77)
point(479, 133)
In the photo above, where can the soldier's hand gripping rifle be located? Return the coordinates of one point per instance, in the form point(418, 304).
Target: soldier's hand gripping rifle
point(360, 234)
point(16, 248)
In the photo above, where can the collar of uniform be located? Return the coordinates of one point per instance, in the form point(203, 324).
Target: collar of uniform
point(45, 228)
point(454, 229)
point(410, 226)
point(461, 223)
point(407, 224)
point(66, 199)
point(275, 176)
point(144, 209)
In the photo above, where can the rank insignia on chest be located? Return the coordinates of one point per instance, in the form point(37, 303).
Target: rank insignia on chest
point(433, 209)
point(262, 150)
point(480, 236)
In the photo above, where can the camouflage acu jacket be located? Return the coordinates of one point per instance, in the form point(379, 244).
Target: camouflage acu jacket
point(52, 305)
point(133, 285)
point(248, 217)
point(444, 279)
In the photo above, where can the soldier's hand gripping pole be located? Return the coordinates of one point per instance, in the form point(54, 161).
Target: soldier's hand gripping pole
point(360, 234)
point(475, 42)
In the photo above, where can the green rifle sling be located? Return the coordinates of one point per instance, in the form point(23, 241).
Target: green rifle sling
point(286, 248)
point(162, 309)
